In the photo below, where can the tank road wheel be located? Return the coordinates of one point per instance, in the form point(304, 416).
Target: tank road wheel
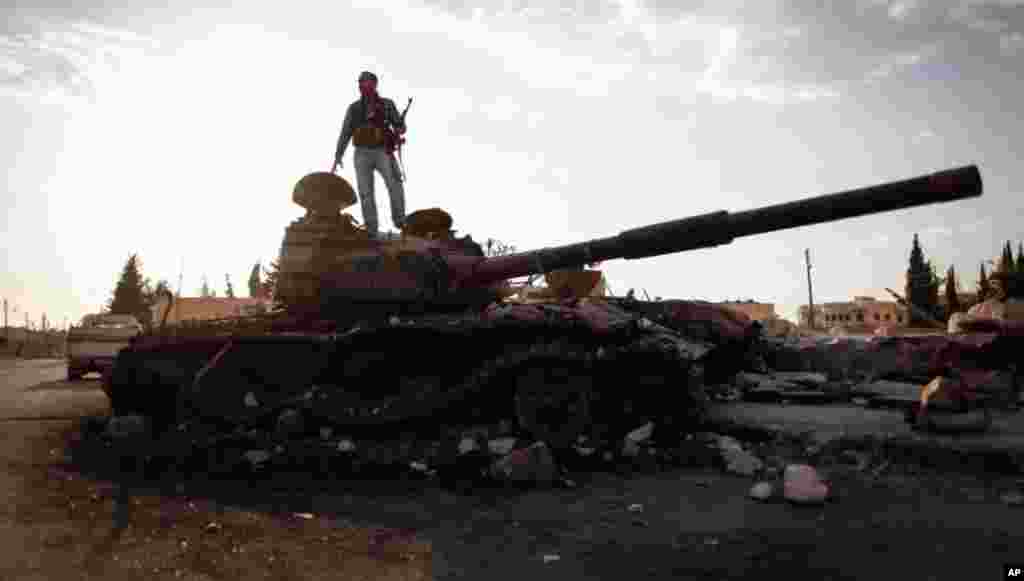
point(552, 401)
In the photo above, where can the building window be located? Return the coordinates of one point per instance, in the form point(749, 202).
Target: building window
point(878, 317)
point(860, 317)
point(899, 318)
point(888, 317)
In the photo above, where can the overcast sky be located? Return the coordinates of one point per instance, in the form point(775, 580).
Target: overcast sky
point(178, 133)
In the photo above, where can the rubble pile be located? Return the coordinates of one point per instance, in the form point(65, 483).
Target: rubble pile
point(977, 372)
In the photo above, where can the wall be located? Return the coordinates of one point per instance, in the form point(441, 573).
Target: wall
point(756, 311)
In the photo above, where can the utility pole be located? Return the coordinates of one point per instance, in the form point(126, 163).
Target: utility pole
point(810, 292)
point(7, 330)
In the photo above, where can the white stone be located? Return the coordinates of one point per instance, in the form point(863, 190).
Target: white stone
point(467, 445)
point(741, 462)
point(802, 485)
point(501, 445)
point(250, 400)
point(257, 456)
point(642, 433)
point(762, 491)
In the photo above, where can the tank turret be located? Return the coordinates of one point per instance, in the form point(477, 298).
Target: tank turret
point(430, 268)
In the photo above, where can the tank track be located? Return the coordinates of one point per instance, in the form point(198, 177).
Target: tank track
point(332, 398)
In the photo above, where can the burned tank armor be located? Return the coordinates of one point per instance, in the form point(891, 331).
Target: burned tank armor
point(412, 335)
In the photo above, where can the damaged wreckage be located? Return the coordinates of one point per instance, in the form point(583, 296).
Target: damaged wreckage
point(412, 351)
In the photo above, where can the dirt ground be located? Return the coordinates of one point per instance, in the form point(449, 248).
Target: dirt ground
point(695, 523)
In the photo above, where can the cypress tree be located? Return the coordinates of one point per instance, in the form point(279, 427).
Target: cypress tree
point(254, 281)
point(130, 295)
point(952, 298)
point(920, 287)
point(1006, 260)
point(984, 287)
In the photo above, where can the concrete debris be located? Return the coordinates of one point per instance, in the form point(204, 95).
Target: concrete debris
point(289, 422)
point(808, 379)
point(737, 460)
point(741, 462)
point(212, 527)
point(727, 443)
point(551, 558)
point(346, 446)
point(126, 427)
point(859, 460)
point(250, 400)
point(633, 441)
point(326, 432)
point(973, 421)
point(534, 464)
point(1013, 498)
point(748, 380)
point(642, 433)
point(501, 446)
point(803, 485)
point(468, 445)
point(636, 508)
point(888, 388)
point(257, 457)
point(762, 491)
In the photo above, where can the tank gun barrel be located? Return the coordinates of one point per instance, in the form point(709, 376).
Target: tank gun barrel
point(722, 227)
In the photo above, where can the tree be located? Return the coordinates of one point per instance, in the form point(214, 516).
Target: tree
point(984, 286)
point(935, 282)
point(1006, 260)
point(153, 295)
point(922, 283)
point(269, 286)
point(1019, 267)
point(130, 293)
point(205, 291)
point(255, 284)
point(230, 292)
point(952, 298)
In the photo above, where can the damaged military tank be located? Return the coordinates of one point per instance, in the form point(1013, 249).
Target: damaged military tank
point(410, 345)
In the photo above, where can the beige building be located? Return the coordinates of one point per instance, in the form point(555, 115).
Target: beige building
point(756, 311)
point(208, 308)
point(862, 312)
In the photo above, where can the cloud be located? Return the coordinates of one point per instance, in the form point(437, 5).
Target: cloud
point(591, 52)
point(896, 62)
point(1011, 44)
point(900, 10)
point(57, 62)
point(923, 136)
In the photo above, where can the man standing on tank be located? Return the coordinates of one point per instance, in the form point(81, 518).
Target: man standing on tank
point(373, 124)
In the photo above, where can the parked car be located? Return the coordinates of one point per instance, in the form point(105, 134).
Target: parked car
point(93, 344)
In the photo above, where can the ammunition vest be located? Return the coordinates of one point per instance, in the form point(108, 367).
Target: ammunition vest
point(370, 131)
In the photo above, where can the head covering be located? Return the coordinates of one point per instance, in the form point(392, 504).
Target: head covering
point(367, 76)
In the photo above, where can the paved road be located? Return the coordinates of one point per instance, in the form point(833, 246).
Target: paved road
point(682, 524)
point(37, 389)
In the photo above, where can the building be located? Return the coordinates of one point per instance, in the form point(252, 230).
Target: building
point(865, 313)
point(208, 308)
point(756, 311)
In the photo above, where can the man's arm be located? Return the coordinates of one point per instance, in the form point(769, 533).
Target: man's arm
point(346, 135)
point(394, 117)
